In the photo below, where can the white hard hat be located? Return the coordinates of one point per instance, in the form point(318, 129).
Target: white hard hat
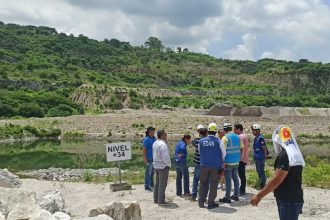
point(227, 125)
point(213, 127)
point(200, 127)
point(255, 127)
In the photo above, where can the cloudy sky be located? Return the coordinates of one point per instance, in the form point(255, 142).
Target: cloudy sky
point(234, 29)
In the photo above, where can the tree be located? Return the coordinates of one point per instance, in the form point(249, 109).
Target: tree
point(154, 43)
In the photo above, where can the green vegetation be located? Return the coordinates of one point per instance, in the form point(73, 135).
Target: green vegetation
point(19, 132)
point(46, 73)
point(315, 174)
point(74, 134)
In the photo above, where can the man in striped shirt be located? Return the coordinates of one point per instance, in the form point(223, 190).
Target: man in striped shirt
point(202, 131)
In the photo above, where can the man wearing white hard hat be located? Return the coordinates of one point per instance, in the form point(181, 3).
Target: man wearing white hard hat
point(259, 153)
point(202, 132)
point(210, 161)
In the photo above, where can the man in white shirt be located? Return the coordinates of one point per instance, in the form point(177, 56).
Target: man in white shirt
point(161, 164)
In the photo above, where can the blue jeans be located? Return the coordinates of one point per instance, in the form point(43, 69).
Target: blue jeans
point(182, 171)
point(231, 172)
point(149, 175)
point(289, 210)
point(260, 167)
point(197, 173)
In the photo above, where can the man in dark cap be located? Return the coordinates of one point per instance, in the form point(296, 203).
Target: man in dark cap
point(148, 141)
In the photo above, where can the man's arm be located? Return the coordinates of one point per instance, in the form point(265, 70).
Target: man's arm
point(144, 152)
point(282, 169)
point(145, 155)
point(278, 178)
point(263, 145)
point(166, 155)
point(223, 149)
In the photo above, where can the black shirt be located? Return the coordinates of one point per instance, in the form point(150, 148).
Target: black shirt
point(290, 189)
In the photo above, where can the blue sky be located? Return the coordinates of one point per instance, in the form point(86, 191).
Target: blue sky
point(233, 29)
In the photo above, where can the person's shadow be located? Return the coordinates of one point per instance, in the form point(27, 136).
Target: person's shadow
point(171, 205)
point(223, 209)
point(243, 200)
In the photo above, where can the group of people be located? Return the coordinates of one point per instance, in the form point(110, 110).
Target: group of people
point(225, 152)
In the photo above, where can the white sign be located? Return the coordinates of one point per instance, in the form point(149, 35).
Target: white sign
point(119, 151)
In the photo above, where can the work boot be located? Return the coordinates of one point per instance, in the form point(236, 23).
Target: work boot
point(225, 200)
point(235, 198)
point(212, 205)
point(201, 204)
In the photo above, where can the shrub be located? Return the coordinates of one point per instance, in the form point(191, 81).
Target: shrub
point(30, 110)
point(88, 176)
point(6, 110)
point(61, 110)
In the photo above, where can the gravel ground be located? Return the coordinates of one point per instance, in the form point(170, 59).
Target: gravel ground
point(81, 197)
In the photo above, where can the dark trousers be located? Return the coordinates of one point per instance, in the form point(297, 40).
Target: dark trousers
point(196, 180)
point(242, 176)
point(260, 167)
point(289, 210)
point(182, 171)
point(209, 181)
point(160, 186)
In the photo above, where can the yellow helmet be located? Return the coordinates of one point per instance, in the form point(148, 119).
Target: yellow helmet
point(213, 127)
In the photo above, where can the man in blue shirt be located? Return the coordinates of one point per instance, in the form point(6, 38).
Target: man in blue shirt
point(210, 161)
point(260, 153)
point(181, 155)
point(148, 141)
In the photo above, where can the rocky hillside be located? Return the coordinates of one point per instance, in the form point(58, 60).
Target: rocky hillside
point(46, 73)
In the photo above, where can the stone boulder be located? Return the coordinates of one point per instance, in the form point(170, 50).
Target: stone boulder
point(9, 180)
point(42, 215)
point(61, 216)
point(119, 211)
point(99, 217)
point(52, 201)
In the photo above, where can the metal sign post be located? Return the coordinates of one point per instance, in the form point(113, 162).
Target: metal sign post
point(118, 152)
point(119, 172)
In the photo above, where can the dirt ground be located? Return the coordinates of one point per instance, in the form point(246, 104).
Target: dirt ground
point(81, 197)
point(132, 123)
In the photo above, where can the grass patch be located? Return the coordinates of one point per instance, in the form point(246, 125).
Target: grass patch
point(19, 132)
point(74, 134)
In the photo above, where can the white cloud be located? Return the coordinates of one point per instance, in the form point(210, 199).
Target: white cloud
point(283, 54)
point(244, 51)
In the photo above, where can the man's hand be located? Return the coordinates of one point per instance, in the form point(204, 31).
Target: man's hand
point(180, 155)
point(145, 161)
point(255, 200)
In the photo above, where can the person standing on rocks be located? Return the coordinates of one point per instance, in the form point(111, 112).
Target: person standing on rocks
point(234, 146)
point(148, 141)
point(202, 133)
point(287, 179)
point(180, 157)
point(260, 153)
point(161, 165)
point(210, 163)
point(238, 129)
